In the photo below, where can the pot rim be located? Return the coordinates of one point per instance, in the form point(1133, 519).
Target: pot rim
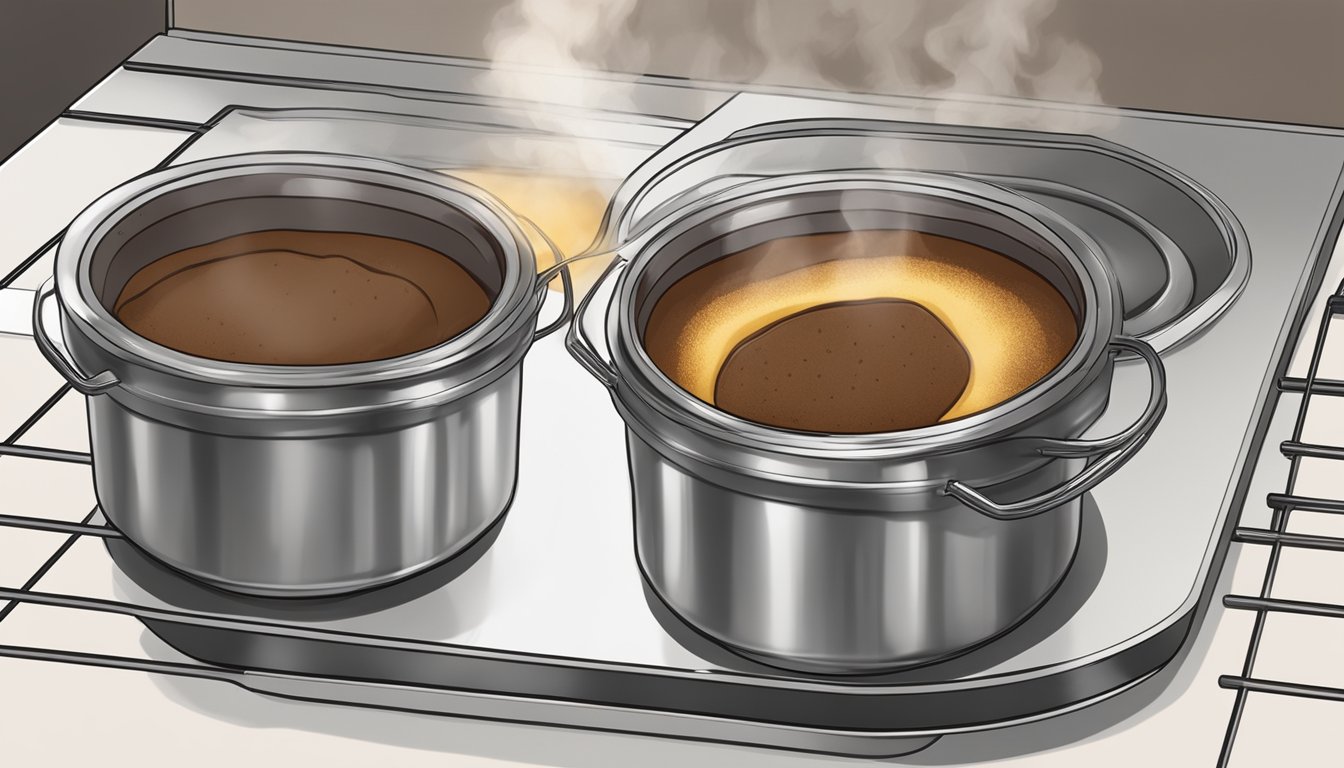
point(644, 387)
point(516, 300)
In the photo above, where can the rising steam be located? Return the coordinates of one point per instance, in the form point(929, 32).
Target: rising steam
point(941, 51)
point(963, 58)
point(573, 40)
point(992, 48)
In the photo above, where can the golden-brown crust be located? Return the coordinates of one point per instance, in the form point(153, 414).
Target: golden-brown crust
point(1015, 326)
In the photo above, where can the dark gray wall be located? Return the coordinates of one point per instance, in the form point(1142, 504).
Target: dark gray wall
point(51, 51)
point(1261, 59)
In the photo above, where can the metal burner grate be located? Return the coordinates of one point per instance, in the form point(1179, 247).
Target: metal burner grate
point(1277, 538)
point(11, 597)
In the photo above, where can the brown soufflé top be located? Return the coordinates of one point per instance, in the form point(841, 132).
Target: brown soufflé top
point(289, 297)
point(859, 332)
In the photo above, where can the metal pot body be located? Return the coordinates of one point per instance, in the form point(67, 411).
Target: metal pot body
point(864, 553)
point(296, 480)
point(820, 587)
point(313, 514)
point(854, 577)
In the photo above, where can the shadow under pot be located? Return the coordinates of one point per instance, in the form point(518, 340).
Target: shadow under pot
point(853, 546)
point(286, 395)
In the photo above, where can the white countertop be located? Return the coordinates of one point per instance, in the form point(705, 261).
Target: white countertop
point(57, 713)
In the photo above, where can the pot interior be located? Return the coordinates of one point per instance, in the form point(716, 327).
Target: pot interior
point(280, 267)
point(858, 311)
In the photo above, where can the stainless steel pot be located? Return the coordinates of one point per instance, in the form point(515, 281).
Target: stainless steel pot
point(861, 553)
point(296, 480)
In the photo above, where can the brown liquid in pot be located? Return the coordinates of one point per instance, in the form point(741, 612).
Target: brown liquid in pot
point(289, 297)
point(873, 366)
point(1012, 325)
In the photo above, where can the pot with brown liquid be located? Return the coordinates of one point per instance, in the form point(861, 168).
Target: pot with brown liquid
point(854, 405)
point(304, 371)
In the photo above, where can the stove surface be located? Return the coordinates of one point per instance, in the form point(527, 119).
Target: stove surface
point(561, 579)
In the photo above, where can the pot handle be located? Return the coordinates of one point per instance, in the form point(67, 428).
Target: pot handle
point(1120, 447)
point(59, 355)
point(544, 278)
point(561, 268)
point(580, 346)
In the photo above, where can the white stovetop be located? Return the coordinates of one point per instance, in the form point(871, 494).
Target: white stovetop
point(57, 714)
